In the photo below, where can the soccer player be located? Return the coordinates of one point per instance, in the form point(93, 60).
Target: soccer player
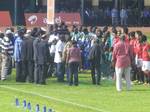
point(132, 43)
point(146, 59)
point(138, 60)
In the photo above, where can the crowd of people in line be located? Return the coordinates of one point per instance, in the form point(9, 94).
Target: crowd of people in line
point(118, 17)
point(39, 54)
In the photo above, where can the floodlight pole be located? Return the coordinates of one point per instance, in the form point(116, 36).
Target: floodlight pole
point(15, 12)
point(50, 14)
point(82, 11)
point(116, 4)
point(50, 11)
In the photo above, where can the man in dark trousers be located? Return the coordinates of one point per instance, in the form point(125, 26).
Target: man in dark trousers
point(29, 57)
point(18, 56)
point(35, 57)
point(41, 58)
point(26, 66)
point(95, 55)
point(58, 59)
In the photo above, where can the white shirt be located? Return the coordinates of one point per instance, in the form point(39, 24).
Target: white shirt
point(59, 48)
point(92, 38)
point(51, 39)
point(52, 49)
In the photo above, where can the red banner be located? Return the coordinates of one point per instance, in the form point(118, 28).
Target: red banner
point(5, 19)
point(40, 19)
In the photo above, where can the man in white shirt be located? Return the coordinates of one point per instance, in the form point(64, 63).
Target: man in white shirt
point(52, 48)
point(52, 41)
point(60, 69)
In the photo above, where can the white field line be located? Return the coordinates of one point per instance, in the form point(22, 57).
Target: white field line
point(56, 99)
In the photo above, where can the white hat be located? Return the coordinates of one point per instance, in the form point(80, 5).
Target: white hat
point(44, 35)
point(43, 29)
point(28, 31)
point(8, 32)
point(26, 35)
point(16, 35)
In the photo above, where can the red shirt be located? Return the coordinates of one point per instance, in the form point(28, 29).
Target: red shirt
point(122, 54)
point(133, 45)
point(116, 40)
point(74, 54)
point(139, 50)
point(127, 39)
point(146, 50)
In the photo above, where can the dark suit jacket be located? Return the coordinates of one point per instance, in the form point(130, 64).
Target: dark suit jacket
point(95, 54)
point(43, 55)
point(30, 52)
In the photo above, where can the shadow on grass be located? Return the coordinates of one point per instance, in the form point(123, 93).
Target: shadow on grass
point(53, 81)
point(14, 83)
point(140, 90)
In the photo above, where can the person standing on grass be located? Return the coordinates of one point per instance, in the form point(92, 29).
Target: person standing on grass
point(58, 59)
point(125, 31)
point(122, 59)
point(7, 53)
point(52, 47)
point(18, 56)
point(35, 57)
point(65, 52)
point(133, 47)
point(74, 60)
point(29, 56)
point(94, 57)
point(139, 45)
point(41, 58)
point(146, 59)
point(1, 39)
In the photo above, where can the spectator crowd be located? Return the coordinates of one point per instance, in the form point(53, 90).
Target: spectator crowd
point(117, 17)
point(38, 54)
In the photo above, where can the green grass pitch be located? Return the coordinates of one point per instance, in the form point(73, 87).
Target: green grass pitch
point(84, 98)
